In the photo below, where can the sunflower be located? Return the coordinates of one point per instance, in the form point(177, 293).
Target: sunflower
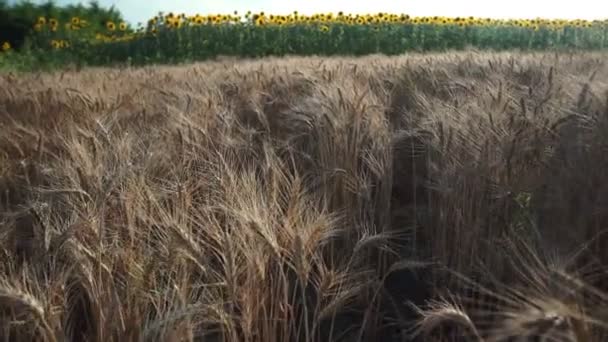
point(38, 27)
point(55, 44)
point(324, 28)
point(6, 46)
point(53, 22)
point(75, 20)
point(122, 26)
point(110, 26)
point(41, 21)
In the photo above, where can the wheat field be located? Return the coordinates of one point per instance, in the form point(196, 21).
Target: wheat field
point(427, 197)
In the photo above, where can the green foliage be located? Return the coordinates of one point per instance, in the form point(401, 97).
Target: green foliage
point(204, 42)
point(95, 36)
point(25, 24)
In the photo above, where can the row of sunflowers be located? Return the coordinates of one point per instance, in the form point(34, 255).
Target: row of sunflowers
point(176, 21)
point(179, 37)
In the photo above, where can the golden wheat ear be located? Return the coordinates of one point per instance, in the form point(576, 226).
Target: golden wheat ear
point(442, 312)
point(23, 305)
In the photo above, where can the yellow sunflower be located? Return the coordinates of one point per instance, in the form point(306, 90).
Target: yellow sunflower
point(122, 26)
point(111, 26)
point(6, 46)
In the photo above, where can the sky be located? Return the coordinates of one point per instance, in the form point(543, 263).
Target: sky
point(136, 11)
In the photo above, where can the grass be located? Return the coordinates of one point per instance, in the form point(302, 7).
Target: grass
point(425, 197)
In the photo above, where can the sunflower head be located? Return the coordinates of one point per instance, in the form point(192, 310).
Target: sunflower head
point(41, 21)
point(122, 26)
point(110, 26)
point(6, 46)
point(75, 20)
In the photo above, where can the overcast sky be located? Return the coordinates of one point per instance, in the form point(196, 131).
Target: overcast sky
point(141, 10)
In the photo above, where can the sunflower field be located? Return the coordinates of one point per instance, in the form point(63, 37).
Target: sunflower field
point(173, 38)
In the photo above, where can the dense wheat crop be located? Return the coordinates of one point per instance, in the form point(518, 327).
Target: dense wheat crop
point(307, 199)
